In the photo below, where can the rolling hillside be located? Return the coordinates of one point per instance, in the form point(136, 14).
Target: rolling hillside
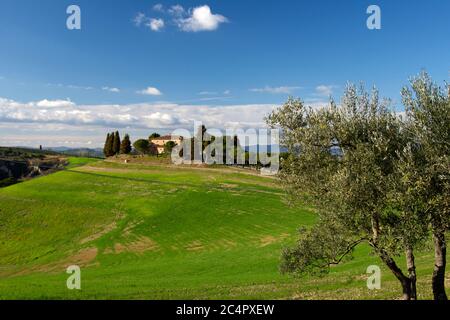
point(152, 231)
point(17, 164)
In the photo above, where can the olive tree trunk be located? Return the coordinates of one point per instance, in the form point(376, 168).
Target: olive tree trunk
point(411, 265)
point(404, 280)
point(438, 279)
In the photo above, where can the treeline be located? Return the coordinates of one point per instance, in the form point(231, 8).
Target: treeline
point(231, 147)
point(231, 151)
point(115, 146)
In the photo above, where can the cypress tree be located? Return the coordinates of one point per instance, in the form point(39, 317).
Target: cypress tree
point(111, 143)
point(106, 146)
point(125, 146)
point(116, 143)
point(110, 147)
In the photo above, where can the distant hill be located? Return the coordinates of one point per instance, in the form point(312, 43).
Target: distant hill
point(59, 149)
point(24, 152)
point(79, 152)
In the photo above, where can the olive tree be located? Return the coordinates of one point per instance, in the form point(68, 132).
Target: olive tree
point(343, 161)
point(427, 165)
point(142, 146)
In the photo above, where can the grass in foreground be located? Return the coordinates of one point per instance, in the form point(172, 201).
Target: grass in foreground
point(145, 231)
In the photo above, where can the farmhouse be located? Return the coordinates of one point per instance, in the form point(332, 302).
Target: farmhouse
point(160, 142)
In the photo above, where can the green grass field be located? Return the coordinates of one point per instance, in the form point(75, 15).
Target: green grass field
point(150, 231)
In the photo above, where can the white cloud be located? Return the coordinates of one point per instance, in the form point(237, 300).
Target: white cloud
point(49, 113)
point(213, 93)
point(111, 89)
point(69, 86)
point(188, 20)
point(276, 90)
point(325, 90)
point(55, 103)
point(158, 7)
point(214, 98)
point(155, 24)
point(207, 93)
point(159, 119)
point(150, 91)
point(72, 86)
point(139, 19)
point(200, 19)
point(176, 10)
point(54, 123)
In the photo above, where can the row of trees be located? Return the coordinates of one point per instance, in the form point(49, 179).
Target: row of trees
point(230, 151)
point(114, 146)
point(204, 147)
point(374, 176)
point(230, 147)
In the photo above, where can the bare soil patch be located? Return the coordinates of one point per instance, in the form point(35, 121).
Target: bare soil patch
point(195, 246)
point(83, 258)
point(141, 245)
point(268, 240)
point(99, 234)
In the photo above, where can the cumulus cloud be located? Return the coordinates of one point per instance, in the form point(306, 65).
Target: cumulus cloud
point(201, 19)
point(52, 122)
point(158, 119)
point(150, 91)
point(188, 20)
point(158, 7)
point(55, 103)
point(138, 116)
point(156, 24)
point(276, 90)
point(177, 10)
point(139, 19)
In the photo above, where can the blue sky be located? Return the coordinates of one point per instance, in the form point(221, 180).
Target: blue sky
point(242, 59)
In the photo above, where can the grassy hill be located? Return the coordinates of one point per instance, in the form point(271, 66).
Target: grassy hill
point(22, 153)
point(17, 164)
point(153, 231)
